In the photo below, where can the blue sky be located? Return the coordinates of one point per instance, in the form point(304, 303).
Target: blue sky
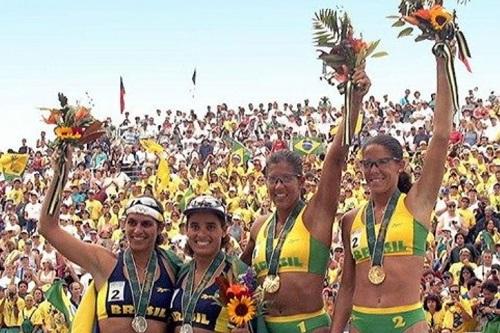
point(252, 51)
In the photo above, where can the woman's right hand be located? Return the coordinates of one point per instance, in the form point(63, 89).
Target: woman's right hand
point(57, 156)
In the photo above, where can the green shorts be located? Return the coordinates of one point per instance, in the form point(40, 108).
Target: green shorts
point(10, 330)
point(386, 320)
point(301, 323)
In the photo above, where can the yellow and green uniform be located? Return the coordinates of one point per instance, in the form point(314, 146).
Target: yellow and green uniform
point(301, 252)
point(395, 319)
point(405, 237)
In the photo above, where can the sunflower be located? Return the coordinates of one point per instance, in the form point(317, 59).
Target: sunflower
point(439, 17)
point(65, 133)
point(241, 311)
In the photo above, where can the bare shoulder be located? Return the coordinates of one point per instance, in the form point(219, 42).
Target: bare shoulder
point(106, 263)
point(259, 221)
point(347, 220)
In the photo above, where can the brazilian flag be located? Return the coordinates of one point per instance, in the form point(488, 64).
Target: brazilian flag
point(239, 149)
point(56, 296)
point(307, 146)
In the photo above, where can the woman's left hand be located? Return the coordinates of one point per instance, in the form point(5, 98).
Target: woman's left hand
point(240, 330)
point(361, 83)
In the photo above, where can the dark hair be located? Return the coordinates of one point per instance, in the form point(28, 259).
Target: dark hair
point(290, 157)
point(394, 148)
point(458, 234)
point(22, 282)
point(465, 268)
point(160, 239)
point(491, 286)
point(225, 240)
point(435, 298)
point(472, 282)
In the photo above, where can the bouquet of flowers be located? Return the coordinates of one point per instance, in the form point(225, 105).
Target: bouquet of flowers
point(438, 24)
point(243, 299)
point(74, 126)
point(334, 32)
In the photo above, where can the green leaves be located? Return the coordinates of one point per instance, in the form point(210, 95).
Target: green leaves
point(405, 32)
point(398, 23)
point(380, 54)
point(325, 23)
point(372, 47)
point(421, 37)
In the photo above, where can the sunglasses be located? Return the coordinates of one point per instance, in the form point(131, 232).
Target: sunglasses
point(380, 163)
point(285, 179)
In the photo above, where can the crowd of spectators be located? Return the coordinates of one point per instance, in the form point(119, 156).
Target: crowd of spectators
point(463, 257)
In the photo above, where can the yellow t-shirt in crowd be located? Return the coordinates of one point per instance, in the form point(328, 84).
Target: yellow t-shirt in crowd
point(15, 195)
point(94, 207)
point(453, 317)
point(9, 317)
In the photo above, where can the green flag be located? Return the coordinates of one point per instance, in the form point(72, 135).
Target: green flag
point(56, 296)
point(188, 195)
point(307, 146)
point(237, 148)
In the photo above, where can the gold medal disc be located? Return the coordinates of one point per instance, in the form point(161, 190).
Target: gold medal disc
point(376, 274)
point(139, 324)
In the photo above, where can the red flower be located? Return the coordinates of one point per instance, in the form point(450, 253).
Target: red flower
point(237, 291)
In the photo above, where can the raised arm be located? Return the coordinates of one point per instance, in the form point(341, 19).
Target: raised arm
point(91, 257)
point(246, 255)
point(343, 305)
point(323, 204)
point(423, 194)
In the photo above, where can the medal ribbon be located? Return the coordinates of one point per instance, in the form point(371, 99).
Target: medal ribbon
point(376, 247)
point(273, 254)
point(442, 49)
point(190, 296)
point(60, 179)
point(347, 137)
point(138, 292)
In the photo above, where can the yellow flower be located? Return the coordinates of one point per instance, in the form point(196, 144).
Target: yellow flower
point(241, 311)
point(439, 17)
point(65, 133)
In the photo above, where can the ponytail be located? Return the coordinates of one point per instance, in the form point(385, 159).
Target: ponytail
point(404, 182)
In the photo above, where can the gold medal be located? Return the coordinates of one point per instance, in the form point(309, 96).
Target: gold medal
point(186, 328)
point(376, 274)
point(271, 284)
point(139, 324)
